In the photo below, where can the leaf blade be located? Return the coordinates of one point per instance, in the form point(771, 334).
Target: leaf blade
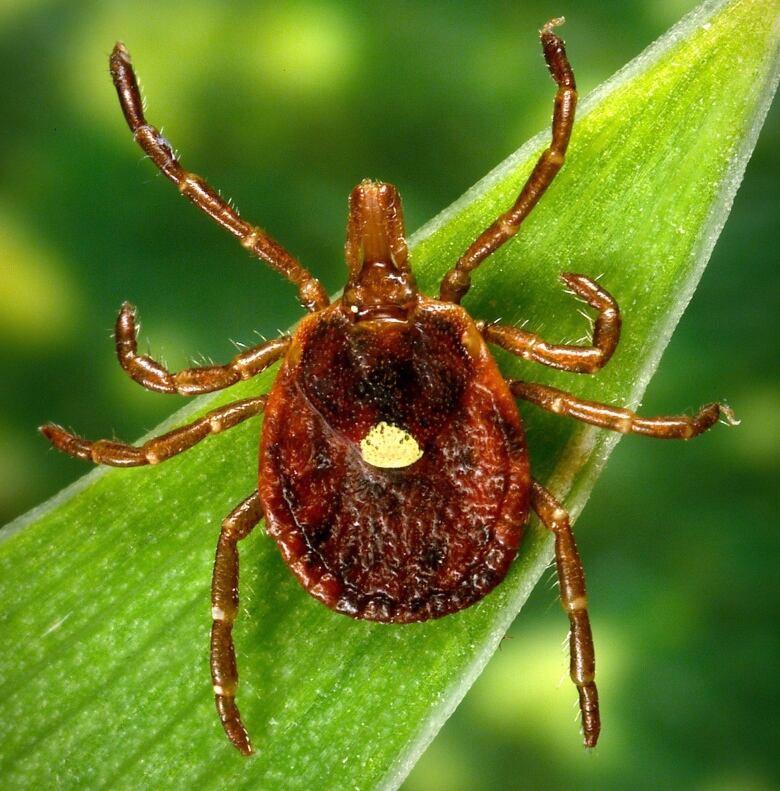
point(355, 715)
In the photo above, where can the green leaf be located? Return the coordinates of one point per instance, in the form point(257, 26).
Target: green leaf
point(104, 640)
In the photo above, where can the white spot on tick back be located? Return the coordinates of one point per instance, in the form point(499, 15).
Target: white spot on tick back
point(389, 446)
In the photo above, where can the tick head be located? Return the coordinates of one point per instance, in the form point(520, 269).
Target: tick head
point(380, 285)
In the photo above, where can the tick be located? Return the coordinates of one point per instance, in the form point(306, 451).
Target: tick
point(394, 475)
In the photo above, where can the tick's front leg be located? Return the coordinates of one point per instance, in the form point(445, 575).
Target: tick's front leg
point(224, 607)
point(571, 578)
point(575, 359)
point(310, 291)
point(191, 381)
point(457, 281)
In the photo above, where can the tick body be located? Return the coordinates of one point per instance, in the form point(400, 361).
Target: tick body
point(404, 542)
point(394, 475)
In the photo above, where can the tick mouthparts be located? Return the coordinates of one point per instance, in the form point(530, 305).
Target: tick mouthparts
point(375, 232)
point(375, 241)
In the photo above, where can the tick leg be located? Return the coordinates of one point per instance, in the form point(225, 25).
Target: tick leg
point(575, 359)
point(310, 292)
point(458, 280)
point(162, 448)
point(620, 419)
point(582, 667)
point(191, 381)
point(224, 606)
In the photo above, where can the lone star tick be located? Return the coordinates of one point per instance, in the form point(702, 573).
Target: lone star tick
point(394, 475)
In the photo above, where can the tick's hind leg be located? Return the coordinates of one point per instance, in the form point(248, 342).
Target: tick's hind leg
point(119, 454)
point(224, 606)
point(571, 578)
point(575, 359)
point(458, 280)
point(191, 381)
point(621, 419)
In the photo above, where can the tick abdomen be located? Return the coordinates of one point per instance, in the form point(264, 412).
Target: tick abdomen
point(394, 543)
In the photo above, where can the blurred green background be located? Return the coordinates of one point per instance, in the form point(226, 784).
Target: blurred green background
point(284, 107)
